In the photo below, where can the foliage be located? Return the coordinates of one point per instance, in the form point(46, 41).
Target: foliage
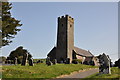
point(41, 70)
point(76, 60)
point(19, 53)
point(9, 24)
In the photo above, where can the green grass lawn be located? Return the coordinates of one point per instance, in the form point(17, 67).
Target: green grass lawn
point(35, 60)
point(41, 70)
point(115, 73)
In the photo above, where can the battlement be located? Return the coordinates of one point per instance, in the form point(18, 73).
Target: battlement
point(66, 16)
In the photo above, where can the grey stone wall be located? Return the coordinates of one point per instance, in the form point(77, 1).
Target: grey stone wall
point(70, 37)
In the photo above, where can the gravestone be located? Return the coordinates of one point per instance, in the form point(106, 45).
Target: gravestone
point(25, 57)
point(54, 61)
point(8, 62)
point(75, 62)
point(119, 63)
point(92, 62)
point(104, 67)
point(39, 61)
point(15, 61)
point(61, 62)
point(48, 62)
point(67, 61)
point(30, 62)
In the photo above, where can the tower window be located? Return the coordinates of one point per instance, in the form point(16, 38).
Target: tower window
point(70, 25)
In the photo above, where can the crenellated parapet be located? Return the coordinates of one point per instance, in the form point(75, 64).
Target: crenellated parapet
point(69, 18)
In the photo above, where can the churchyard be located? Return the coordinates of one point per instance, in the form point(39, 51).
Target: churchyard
point(60, 60)
point(47, 69)
point(64, 58)
point(41, 70)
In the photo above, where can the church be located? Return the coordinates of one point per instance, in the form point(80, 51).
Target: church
point(65, 49)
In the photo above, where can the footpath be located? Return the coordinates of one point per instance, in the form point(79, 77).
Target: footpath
point(78, 75)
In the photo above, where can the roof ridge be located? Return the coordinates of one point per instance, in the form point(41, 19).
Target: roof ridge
point(82, 51)
point(81, 48)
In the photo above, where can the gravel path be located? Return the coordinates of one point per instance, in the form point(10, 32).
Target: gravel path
point(82, 74)
point(77, 75)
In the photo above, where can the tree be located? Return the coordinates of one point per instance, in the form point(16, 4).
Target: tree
point(19, 53)
point(9, 24)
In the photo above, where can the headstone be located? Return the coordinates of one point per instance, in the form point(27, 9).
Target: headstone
point(54, 61)
point(39, 61)
point(104, 67)
point(9, 61)
point(47, 59)
point(61, 62)
point(24, 60)
point(15, 61)
point(75, 62)
point(119, 63)
point(92, 63)
point(48, 62)
point(6, 62)
point(86, 63)
point(68, 61)
point(30, 62)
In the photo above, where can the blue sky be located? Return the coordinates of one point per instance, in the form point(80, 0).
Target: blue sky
point(95, 26)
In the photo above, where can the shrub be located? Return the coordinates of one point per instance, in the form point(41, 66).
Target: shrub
point(2, 59)
point(76, 61)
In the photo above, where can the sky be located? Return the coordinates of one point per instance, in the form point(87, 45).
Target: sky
point(95, 26)
point(63, 0)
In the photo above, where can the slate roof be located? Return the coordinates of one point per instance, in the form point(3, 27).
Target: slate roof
point(78, 51)
point(83, 52)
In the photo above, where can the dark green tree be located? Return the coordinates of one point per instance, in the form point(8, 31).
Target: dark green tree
point(10, 25)
point(19, 53)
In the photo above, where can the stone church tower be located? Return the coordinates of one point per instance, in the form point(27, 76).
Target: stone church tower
point(65, 38)
point(65, 51)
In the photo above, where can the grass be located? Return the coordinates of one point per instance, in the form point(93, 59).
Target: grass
point(35, 60)
point(41, 70)
point(115, 75)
